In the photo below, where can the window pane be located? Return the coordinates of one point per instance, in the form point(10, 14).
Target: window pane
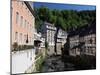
point(17, 17)
point(21, 23)
point(16, 36)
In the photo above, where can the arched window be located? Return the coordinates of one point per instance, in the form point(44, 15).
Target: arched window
point(17, 17)
point(16, 36)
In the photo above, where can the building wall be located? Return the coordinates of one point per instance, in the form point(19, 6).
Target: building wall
point(43, 42)
point(88, 48)
point(50, 36)
point(61, 40)
point(50, 33)
point(59, 45)
point(22, 23)
point(90, 44)
point(37, 36)
point(62, 36)
point(74, 41)
point(23, 61)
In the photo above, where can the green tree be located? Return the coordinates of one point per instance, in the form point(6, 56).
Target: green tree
point(59, 24)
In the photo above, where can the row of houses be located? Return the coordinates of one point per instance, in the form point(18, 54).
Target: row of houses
point(48, 31)
point(82, 41)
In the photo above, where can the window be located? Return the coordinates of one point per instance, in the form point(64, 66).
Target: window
point(17, 17)
point(94, 40)
point(92, 51)
point(26, 7)
point(28, 25)
point(16, 36)
point(28, 11)
point(12, 14)
point(21, 23)
point(30, 39)
point(20, 37)
point(25, 37)
point(11, 11)
point(31, 27)
point(22, 3)
point(18, 3)
point(25, 24)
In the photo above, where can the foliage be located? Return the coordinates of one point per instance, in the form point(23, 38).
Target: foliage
point(39, 62)
point(65, 19)
point(16, 47)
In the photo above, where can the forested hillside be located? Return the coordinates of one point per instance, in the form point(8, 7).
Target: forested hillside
point(65, 19)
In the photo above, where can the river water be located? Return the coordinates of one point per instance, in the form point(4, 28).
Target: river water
point(55, 64)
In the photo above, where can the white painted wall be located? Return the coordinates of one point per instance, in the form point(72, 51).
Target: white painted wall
point(22, 60)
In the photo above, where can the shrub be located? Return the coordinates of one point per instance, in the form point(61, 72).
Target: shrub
point(15, 46)
point(39, 62)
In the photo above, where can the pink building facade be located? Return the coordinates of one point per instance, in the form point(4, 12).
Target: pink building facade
point(23, 22)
